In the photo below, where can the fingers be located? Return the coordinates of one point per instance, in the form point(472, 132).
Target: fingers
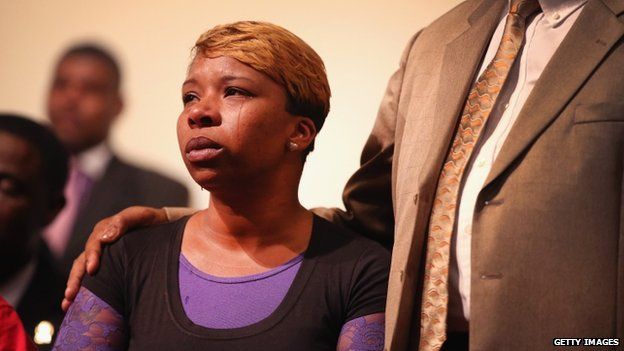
point(139, 216)
point(105, 231)
point(65, 304)
point(109, 229)
point(73, 282)
point(112, 228)
point(92, 260)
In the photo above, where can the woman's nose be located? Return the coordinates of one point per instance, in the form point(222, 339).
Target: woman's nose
point(203, 116)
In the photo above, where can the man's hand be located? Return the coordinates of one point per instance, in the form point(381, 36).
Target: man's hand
point(108, 231)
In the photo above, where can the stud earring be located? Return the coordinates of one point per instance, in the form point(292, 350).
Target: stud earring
point(292, 146)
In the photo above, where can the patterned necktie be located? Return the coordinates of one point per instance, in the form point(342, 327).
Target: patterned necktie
point(57, 233)
point(478, 105)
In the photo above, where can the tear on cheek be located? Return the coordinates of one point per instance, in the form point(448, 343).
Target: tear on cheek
point(238, 117)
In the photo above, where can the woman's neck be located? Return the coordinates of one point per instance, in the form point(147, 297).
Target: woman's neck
point(260, 209)
point(257, 225)
point(254, 219)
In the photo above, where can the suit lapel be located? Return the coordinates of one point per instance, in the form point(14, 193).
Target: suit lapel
point(462, 57)
point(597, 29)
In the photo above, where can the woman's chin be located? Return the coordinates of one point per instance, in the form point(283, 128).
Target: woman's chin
point(208, 179)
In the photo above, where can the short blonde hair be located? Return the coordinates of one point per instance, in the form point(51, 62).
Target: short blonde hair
point(279, 54)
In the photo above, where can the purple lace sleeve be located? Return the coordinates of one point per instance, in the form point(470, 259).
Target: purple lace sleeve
point(363, 333)
point(91, 324)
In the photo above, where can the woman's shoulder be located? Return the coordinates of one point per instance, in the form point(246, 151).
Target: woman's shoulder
point(153, 238)
point(334, 242)
point(352, 268)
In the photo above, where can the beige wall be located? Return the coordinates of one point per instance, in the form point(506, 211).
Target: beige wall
point(360, 41)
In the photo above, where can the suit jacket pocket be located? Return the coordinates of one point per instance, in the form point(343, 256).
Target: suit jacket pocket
point(600, 112)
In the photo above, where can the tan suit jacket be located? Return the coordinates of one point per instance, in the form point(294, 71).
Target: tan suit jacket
point(548, 233)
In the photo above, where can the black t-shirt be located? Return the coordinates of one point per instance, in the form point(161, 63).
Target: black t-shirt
point(343, 276)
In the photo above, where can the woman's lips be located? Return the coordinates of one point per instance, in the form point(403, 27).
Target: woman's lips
point(202, 149)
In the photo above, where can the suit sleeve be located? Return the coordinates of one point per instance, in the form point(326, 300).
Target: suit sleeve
point(367, 195)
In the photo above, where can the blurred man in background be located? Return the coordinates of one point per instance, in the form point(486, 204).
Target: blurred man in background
point(83, 103)
point(33, 171)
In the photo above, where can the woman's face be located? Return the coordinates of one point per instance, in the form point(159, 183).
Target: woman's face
point(234, 126)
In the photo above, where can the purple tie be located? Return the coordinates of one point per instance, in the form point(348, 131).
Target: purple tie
point(76, 191)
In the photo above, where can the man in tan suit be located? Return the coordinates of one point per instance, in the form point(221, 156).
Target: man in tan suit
point(546, 254)
point(535, 249)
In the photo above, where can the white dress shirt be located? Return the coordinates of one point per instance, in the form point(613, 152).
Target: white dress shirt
point(544, 33)
point(93, 162)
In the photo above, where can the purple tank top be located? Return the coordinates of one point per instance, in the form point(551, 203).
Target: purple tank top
point(227, 303)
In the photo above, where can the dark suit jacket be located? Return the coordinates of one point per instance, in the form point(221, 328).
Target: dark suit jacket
point(549, 220)
point(122, 185)
point(42, 299)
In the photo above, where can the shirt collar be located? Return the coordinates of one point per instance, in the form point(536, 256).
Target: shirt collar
point(556, 12)
point(92, 162)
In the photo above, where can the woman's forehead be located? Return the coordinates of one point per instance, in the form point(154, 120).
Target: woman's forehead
point(224, 68)
point(220, 64)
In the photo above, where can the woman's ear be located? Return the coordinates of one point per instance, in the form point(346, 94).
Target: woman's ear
point(302, 135)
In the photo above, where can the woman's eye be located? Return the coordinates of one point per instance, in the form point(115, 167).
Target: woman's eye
point(186, 98)
point(236, 91)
